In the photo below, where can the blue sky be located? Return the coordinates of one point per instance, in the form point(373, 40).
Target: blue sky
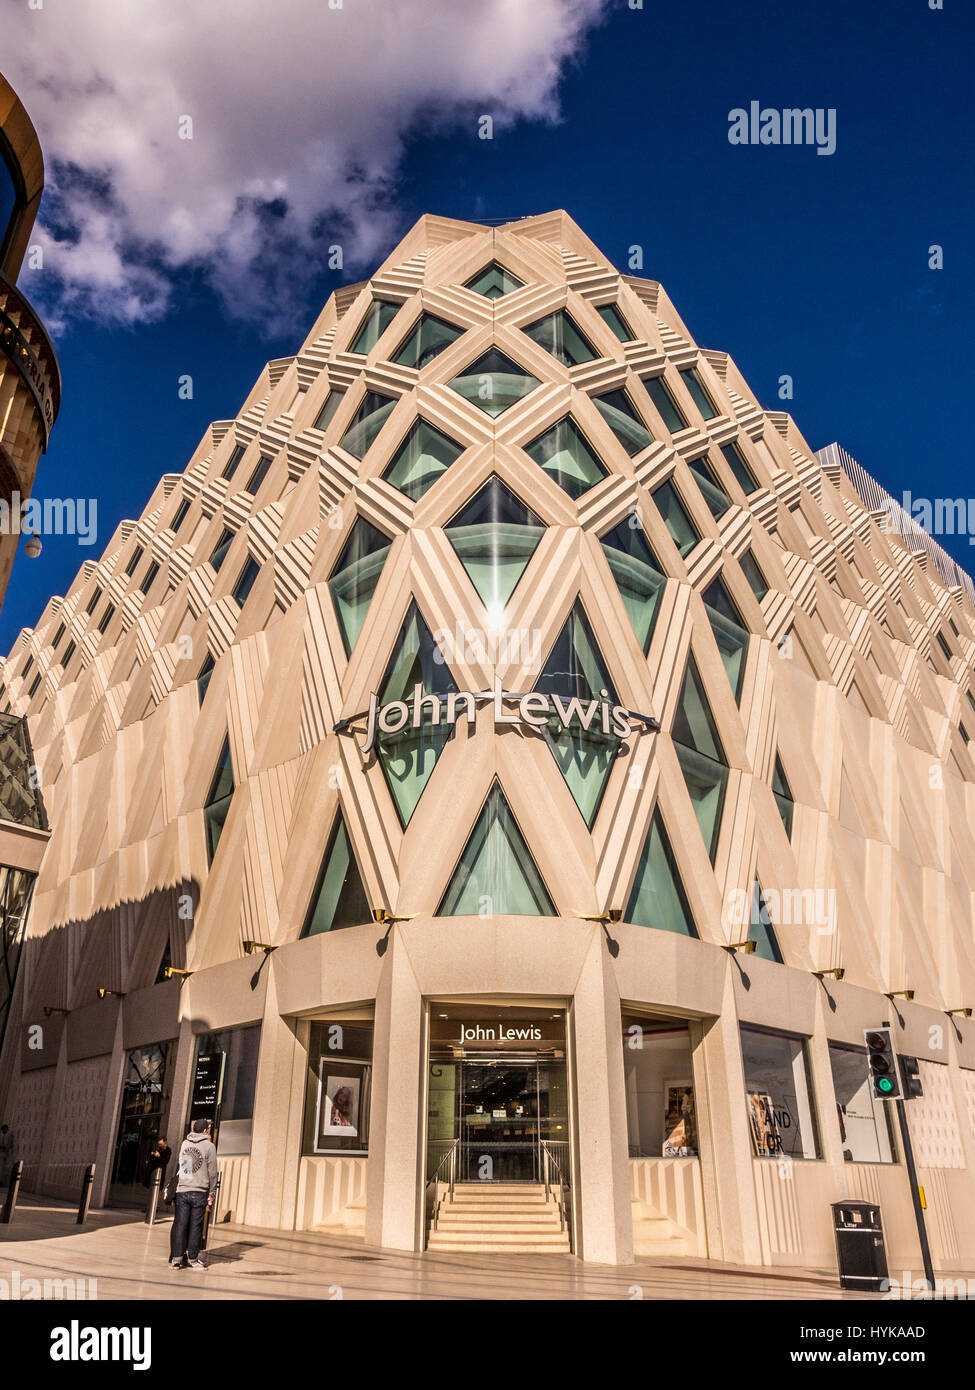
point(792, 262)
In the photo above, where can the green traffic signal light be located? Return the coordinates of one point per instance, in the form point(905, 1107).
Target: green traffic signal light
point(885, 1084)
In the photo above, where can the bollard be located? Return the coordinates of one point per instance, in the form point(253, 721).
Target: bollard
point(13, 1191)
point(210, 1216)
point(154, 1185)
point(88, 1182)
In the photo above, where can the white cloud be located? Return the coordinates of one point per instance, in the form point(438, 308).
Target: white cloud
point(299, 117)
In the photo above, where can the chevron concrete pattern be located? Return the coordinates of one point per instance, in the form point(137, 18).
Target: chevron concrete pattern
point(797, 694)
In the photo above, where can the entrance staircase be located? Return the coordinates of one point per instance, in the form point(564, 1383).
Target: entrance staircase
point(501, 1219)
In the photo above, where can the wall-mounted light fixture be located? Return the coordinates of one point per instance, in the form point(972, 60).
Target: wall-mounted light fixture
point(900, 994)
point(747, 946)
point(251, 946)
point(103, 993)
point(612, 914)
point(50, 1009)
point(384, 918)
point(837, 973)
point(965, 1012)
point(173, 972)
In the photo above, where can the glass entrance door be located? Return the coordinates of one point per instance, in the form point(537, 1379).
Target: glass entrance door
point(499, 1121)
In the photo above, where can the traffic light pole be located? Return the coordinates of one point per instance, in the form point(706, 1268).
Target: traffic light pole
point(915, 1193)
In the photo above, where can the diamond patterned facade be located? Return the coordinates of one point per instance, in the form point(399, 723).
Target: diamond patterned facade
point(589, 507)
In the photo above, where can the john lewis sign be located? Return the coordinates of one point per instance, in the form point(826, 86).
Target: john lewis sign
point(534, 709)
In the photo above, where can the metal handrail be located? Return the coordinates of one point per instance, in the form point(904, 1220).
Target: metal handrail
point(450, 1161)
point(549, 1161)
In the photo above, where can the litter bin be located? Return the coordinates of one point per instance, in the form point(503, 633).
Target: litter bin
point(860, 1251)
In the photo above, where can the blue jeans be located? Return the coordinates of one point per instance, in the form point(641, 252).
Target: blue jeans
point(184, 1238)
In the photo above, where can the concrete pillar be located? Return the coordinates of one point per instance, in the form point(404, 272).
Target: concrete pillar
point(279, 1098)
point(730, 1205)
point(822, 1085)
point(182, 1085)
point(393, 1170)
point(108, 1129)
point(604, 1223)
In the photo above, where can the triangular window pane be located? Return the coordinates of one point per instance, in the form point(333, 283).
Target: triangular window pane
point(380, 316)
point(667, 407)
point(658, 898)
point(639, 577)
point(701, 757)
point(495, 535)
point(694, 382)
point(693, 722)
point(675, 517)
point(494, 282)
point(218, 800)
point(408, 755)
point(219, 551)
point(735, 461)
point(368, 420)
point(327, 413)
point(429, 338)
point(576, 676)
point(557, 334)
point(423, 456)
point(783, 795)
point(611, 315)
point(565, 456)
point(494, 382)
point(760, 929)
point(164, 964)
point(354, 579)
point(714, 494)
point(203, 678)
point(622, 419)
point(756, 580)
point(730, 633)
point(496, 874)
point(339, 899)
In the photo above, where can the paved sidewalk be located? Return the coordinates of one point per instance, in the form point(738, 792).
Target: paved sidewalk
point(128, 1260)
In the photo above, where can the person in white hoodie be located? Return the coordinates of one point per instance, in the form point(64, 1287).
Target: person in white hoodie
point(196, 1185)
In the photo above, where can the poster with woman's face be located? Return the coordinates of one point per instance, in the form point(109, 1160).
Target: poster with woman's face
point(765, 1128)
point(340, 1106)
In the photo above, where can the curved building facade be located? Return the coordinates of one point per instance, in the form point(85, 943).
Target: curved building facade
point(501, 778)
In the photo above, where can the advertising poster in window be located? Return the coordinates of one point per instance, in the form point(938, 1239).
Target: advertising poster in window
point(680, 1123)
point(340, 1106)
point(765, 1128)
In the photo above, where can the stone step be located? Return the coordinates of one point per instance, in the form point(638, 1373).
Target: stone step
point(529, 1198)
point(459, 1221)
point(532, 1245)
point(525, 1230)
point(498, 1216)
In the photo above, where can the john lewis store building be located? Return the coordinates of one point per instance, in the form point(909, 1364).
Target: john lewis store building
point(423, 758)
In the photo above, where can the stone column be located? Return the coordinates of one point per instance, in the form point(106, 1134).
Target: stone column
point(272, 1178)
point(393, 1173)
point(730, 1205)
point(604, 1222)
point(108, 1128)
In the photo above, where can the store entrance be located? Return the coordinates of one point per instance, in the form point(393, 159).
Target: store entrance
point(503, 1113)
point(498, 1110)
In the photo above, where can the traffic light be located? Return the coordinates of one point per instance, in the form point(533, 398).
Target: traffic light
point(911, 1077)
point(884, 1076)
